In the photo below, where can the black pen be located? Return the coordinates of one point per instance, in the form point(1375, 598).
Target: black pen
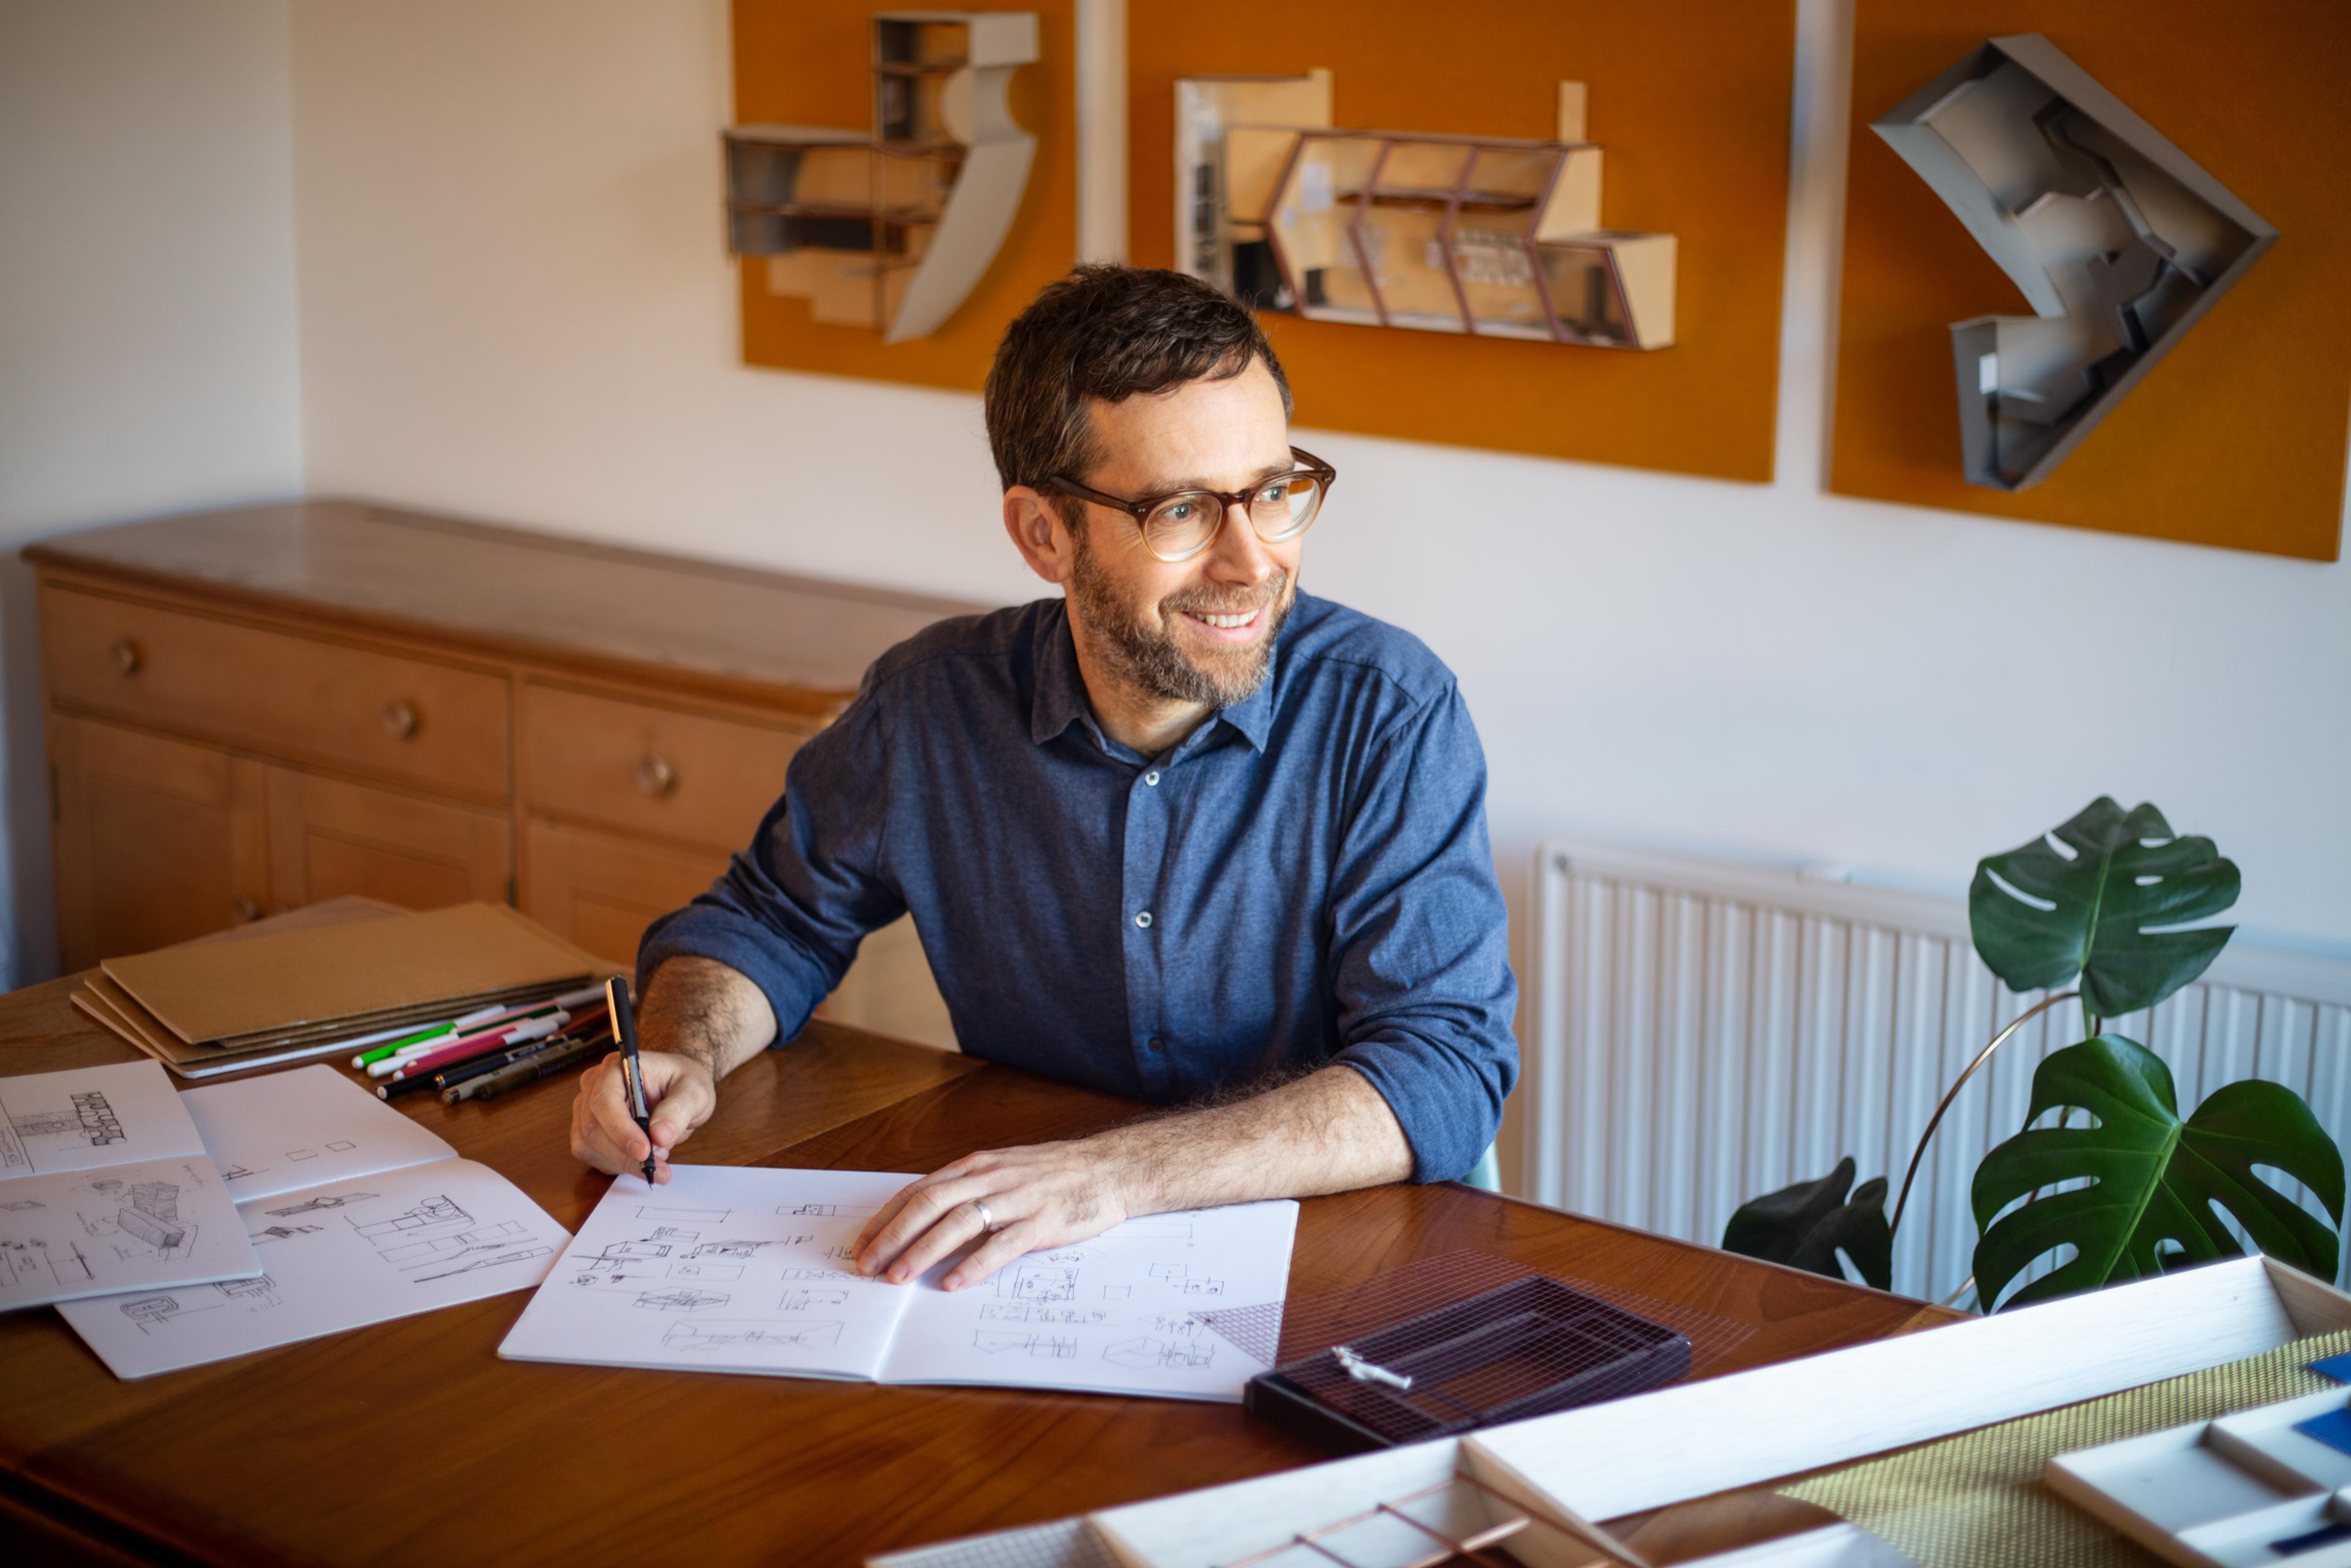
point(632, 1072)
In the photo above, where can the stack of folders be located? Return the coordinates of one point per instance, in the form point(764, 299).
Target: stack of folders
point(320, 988)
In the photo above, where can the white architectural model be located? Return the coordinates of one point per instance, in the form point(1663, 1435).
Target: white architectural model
point(1482, 235)
point(891, 228)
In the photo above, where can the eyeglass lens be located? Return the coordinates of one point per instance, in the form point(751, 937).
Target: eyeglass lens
point(1182, 525)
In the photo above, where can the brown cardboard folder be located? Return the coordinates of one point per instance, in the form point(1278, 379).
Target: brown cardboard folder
point(344, 978)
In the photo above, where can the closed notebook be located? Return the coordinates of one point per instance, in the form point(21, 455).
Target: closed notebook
point(245, 993)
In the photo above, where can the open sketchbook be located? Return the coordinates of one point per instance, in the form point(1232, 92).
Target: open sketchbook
point(104, 1186)
point(358, 1215)
point(743, 1269)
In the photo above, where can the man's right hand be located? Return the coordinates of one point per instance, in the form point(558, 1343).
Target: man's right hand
point(680, 1092)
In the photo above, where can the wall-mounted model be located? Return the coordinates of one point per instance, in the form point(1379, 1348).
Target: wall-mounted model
point(2119, 241)
point(891, 230)
point(1447, 233)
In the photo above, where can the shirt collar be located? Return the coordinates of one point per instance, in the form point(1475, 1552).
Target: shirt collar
point(1060, 695)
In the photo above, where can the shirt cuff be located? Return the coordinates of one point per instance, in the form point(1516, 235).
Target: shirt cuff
point(1449, 1107)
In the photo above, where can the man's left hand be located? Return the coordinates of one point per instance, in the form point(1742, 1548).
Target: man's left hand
point(1038, 1198)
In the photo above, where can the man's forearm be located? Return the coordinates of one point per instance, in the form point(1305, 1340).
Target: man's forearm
point(705, 1009)
point(1328, 1132)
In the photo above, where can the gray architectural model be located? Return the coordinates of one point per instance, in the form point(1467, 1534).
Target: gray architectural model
point(2119, 241)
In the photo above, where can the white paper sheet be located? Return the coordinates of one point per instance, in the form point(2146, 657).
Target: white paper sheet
point(310, 1128)
point(739, 1270)
point(104, 1186)
point(122, 1227)
point(383, 1246)
point(724, 1269)
point(1113, 1315)
point(88, 1117)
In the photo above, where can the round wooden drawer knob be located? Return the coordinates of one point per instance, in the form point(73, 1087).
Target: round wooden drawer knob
point(655, 777)
point(125, 654)
point(399, 719)
point(246, 908)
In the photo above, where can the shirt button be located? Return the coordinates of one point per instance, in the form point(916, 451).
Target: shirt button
point(1151, 1044)
point(1144, 919)
point(1152, 777)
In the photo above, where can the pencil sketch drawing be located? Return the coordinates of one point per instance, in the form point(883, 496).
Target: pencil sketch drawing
point(333, 1200)
point(828, 1211)
point(1142, 1354)
point(1029, 1280)
point(1038, 1312)
point(805, 1301)
point(1050, 1347)
point(1179, 1278)
point(681, 1300)
point(721, 1333)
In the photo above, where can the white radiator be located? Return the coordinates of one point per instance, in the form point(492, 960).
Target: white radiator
point(1703, 1032)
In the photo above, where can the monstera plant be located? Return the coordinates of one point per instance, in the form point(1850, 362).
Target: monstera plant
point(2102, 903)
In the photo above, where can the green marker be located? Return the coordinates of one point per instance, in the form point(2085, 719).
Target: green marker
point(391, 1047)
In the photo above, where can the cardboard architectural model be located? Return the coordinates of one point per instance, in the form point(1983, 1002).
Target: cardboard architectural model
point(1483, 235)
point(2119, 241)
point(891, 229)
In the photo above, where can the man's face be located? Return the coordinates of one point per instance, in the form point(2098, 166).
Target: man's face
point(1197, 631)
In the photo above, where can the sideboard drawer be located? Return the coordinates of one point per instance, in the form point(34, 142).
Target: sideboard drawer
point(303, 698)
point(684, 776)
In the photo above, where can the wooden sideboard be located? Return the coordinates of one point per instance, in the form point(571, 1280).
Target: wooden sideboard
point(250, 710)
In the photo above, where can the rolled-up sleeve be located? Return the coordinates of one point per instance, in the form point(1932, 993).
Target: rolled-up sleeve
point(1420, 941)
point(790, 911)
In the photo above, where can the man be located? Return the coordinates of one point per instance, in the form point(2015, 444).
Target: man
point(1185, 834)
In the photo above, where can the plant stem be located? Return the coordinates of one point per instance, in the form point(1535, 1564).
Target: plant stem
point(1936, 1121)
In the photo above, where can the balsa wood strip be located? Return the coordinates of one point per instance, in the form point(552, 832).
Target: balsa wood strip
point(1704, 1437)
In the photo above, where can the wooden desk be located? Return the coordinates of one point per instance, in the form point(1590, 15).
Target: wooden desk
point(412, 1442)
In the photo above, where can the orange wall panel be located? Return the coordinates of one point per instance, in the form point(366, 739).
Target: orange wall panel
point(2237, 436)
point(1690, 98)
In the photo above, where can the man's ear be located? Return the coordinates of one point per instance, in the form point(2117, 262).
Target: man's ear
point(1038, 533)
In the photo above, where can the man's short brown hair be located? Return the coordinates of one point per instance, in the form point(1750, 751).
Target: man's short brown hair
point(1107, 332)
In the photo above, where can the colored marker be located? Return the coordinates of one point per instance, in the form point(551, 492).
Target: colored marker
point(495, 1038)
point(492, 1086)
point(454, 1027)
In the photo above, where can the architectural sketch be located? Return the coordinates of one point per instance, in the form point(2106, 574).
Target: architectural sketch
point(891, 229)
point(830, 1210)
point(333, 1200)
point(431, 1216)
point(691, 1271)
point(153, 1215)
point(2118, 240)
point(281, 1232)
point(21, 1206)
point(86, 1119)
point(1051, 1347)
point(301, 1154)
point(747, 1248)
point(1029, 1280)
point(1177, 1277)
point(721, 1333)
point(1143, 1353)
point(1037, 1312)
point(1482, 235)
point(681, 1300)
point(512, 1255)
point(687, 1215)
point(150, 1312)
point(25, 1263)
point(820, 1274)
point(807, 1301)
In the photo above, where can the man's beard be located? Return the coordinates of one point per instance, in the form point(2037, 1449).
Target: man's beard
point(1149, 659)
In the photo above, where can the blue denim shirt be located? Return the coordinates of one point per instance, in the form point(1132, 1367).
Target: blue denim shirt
point(1304, 879)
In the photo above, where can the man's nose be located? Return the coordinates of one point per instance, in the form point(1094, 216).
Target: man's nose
point(1238, 555)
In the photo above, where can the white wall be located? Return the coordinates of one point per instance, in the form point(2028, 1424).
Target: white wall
point(146, 353)
point(515, 304)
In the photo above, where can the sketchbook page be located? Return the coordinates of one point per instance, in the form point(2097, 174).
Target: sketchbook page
point(725, 1269)
point(337, 1256)
point(126, 1228)
point(1113, 1315)
point(311, 1127)
point(87, 1117)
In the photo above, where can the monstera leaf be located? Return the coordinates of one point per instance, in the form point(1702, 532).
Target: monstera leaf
point(2155, 1180)
point(2126, 874)
point(1805, 1226)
